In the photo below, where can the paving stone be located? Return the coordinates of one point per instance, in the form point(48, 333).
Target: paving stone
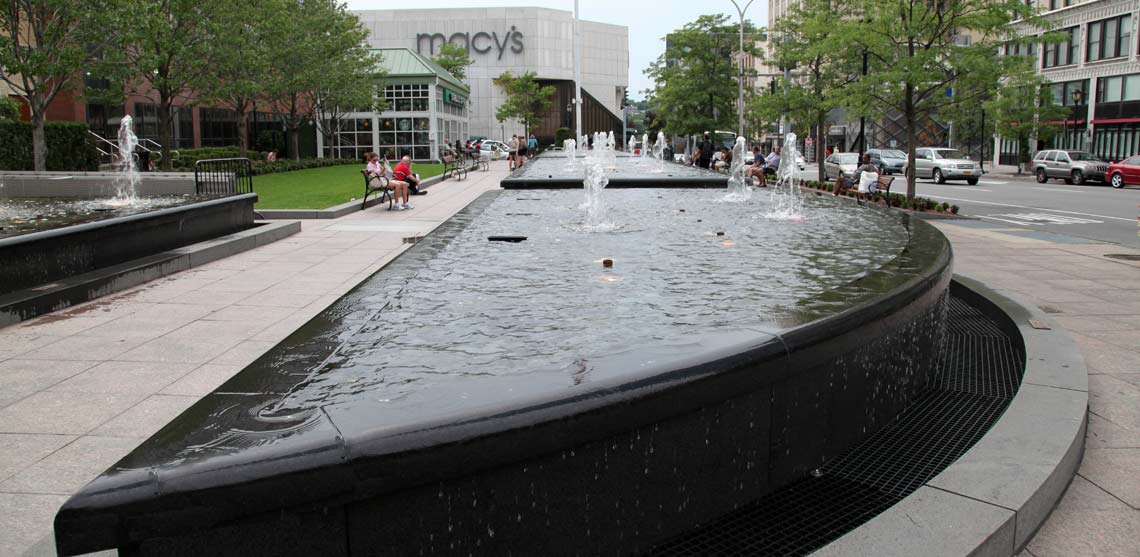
point(66, 413)
point(244, 353)
point(71, 467)
point(20, 378)
point(1115, 400)
point(249, 313)
point(14, 344)
point(1103, 434)
point(20, 450)
point(1116, 471)
point(203, 380)
point(147, 417)
point(219, 329)
point(178, 350)
point(1078, 532)
point(83, 348)
point(139, 378)
point(59, 325)
point(26, 518)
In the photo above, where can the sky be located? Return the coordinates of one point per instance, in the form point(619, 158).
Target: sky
point(648, 21)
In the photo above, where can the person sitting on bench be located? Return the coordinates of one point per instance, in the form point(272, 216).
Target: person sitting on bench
point(376, 170)
point(403, 171)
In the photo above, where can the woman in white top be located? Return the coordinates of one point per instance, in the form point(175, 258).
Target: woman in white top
point(399, 188)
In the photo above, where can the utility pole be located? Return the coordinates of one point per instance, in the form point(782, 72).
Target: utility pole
point(740, 75)
point(577, 75)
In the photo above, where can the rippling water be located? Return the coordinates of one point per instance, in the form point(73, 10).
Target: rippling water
point(627, 167)
point(545, 310)
point(34, 214)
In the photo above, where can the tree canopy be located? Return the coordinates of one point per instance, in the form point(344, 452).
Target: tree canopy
point(526, 98)
point(454, 59)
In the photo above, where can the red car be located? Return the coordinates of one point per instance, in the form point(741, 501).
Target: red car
point(1124, 173)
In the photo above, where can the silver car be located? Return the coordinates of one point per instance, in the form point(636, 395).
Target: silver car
point(889, 161)
point(941, 164)
point(1073, 166)
point(841, 164)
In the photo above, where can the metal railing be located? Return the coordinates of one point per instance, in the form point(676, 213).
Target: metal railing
point(223, 176)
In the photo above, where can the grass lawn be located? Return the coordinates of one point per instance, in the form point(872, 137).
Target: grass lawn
point(319, 188)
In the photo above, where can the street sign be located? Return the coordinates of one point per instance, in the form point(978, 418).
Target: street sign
point(808, 141)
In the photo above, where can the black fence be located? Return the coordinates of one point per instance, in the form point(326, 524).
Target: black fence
point(223, 176)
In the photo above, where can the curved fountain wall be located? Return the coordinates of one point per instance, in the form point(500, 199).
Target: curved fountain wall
point(614, 468)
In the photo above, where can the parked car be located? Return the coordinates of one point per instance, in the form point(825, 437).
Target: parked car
point(941, 164)
point(1124, 173)
point(496, 149)
point(841, 164)
point(1075, 167)
point(889, 161)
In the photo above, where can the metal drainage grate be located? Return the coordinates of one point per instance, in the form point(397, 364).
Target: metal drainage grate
point(979, 374)
point(412, 239)
point(1123, 256)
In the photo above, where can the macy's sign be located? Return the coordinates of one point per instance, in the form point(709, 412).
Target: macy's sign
point(479, 43)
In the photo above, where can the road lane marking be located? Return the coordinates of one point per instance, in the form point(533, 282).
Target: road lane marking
point(1031, 208)
point(1057, 190)
point(1017, 222)
point(992, 183)
point(1042, 218)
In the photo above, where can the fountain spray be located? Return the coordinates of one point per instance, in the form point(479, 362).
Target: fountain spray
point(738, 190)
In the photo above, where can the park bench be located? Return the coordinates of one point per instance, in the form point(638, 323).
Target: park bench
point(454, 166)
point(883, 186)
point(374, 184)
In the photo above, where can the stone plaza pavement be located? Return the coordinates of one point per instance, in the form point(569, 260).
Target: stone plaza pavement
point(80, 388)
point(1097, 299)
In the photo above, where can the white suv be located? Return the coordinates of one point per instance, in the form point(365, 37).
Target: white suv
point(941, 164)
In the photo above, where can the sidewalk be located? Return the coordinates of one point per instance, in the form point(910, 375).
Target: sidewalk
point(80, 388)
point(1097, 299)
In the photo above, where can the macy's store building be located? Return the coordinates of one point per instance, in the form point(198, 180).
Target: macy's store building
point(517, 40)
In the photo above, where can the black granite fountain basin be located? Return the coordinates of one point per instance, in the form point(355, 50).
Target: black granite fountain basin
point(84, 240)
point(506, 398)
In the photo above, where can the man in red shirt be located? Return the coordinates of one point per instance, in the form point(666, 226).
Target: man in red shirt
point(403, 171)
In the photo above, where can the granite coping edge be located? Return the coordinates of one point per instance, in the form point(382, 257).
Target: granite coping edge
point(1019, 469)
point(116, 278)
point(336, 211)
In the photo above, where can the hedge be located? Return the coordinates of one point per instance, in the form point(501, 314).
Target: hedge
point(895, 200)
point(68, 146)
point(262, 167)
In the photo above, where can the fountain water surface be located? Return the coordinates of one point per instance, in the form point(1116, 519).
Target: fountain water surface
point(787, 202)
point(738, 190)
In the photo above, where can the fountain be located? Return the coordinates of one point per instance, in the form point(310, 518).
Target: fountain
point(738, 190)
point(787, 202)
point(644, 145)
point(659, 153)
point(570, 147)
point(595, 182)
point(631, 144)
point(611, 151)
point(127, 184)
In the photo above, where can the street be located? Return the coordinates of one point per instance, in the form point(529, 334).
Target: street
point(1094, 211)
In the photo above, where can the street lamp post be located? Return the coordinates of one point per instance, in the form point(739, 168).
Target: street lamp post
point(740, 75)
point(1078, 95)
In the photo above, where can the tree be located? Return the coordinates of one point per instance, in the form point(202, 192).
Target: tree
point(44, 44)
point(695, 78)
point(1026, 110)
point(349, 90)
point(309, 68)
point(526, 98)
point(808, 41)
point(238, 77)
point(166, 51)
point(928, 56)
point(453, 58)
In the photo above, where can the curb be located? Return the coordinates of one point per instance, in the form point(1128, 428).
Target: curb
point(993, 499)
point(336, 211)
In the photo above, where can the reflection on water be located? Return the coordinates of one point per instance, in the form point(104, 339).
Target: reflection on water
point(34, 214)
point(518, 318)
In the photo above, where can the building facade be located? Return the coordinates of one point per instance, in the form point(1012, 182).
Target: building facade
point(518, 40)
point(1095, 73)
point(426, 106)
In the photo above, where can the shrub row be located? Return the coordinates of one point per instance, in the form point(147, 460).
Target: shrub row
point(262, 167)
point(68, 146)
point(894, 200)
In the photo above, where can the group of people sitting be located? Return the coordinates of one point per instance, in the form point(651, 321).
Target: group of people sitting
point(708, 156)
point(401, 180)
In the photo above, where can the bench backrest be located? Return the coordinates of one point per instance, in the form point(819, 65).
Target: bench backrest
point(885, 180)
point(448, 159)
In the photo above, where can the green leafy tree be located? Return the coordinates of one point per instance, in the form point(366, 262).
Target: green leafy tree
point(1026, 110)
point(9, 110)
point(238, 77)
point(923, 64)
point(44, 44)
point(807, 40)
point(166, 51)
point(454, 59)
point(312, 73)
point(526, 99)
point(345, 91)
point(695, 78)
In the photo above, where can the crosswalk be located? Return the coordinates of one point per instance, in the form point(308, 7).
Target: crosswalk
point(1031, 219)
